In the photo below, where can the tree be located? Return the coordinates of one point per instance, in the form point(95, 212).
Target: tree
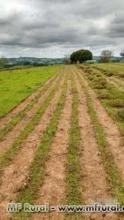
point(3, 61)
point(81, 56)
point(122, 53)
point(106, 56)
point(66, 59)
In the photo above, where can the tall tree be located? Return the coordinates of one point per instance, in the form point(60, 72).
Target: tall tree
point(122, 53)
point(106, 56)
point(3, 61)
point(81, 56)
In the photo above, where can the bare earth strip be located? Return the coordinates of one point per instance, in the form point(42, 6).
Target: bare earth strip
point(23, 104)
point(53, 189)
point(4, 145)
point(112, 133)
point(15, 175)
point(94, 184)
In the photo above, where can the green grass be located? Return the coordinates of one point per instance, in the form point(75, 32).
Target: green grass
point(112, 171)
point(116, 69)
point(30, 192)
point(16, 85)
point(73, 165)
point(110, 96)
point(20, 115)
point(14, 148)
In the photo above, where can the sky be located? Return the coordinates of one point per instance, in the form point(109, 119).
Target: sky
point(55, 28)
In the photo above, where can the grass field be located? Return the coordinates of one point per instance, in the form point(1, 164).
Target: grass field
point(64, 143)
point(116, 69)
point(15, 85)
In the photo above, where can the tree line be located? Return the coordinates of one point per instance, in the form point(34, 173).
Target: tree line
point(83, 55)
point(78, 56)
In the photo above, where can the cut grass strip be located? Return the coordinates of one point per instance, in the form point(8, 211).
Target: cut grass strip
point(73, 166)
point(107, 94)
point(20, 115)
point(36, 175)
point(73, 181)
point(14, 148)
point(111, 168)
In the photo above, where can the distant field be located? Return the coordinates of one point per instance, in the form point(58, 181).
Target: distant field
point(15, 85)
point(116, 68)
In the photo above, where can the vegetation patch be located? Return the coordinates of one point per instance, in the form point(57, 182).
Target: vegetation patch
point(73, 167)
point(18, 84)
point(111, 69)
point(73, 191)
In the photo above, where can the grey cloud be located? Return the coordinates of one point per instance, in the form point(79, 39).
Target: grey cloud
point(45, 24)
point(116, 29)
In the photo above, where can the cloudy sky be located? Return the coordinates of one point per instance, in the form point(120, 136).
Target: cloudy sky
point(54, 28)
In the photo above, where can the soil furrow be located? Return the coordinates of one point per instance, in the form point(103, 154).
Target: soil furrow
point(15, 176)
point(94, 184)
point(4, 120)
point(8, 140)
point(113, 136)
point(53, 188)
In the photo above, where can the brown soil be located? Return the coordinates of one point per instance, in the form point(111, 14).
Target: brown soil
point(8, 140)
point(22, 104)
point(53, 189)
point(15, 176)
